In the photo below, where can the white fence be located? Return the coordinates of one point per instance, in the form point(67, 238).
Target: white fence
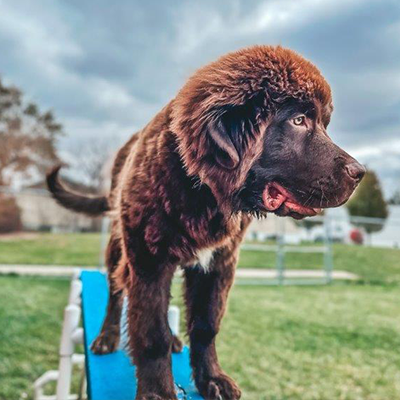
point(342, 228)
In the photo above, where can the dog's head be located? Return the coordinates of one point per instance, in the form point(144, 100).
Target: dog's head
point(253, 127)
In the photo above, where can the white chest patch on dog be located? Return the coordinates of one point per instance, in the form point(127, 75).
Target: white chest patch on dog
point(204, 258)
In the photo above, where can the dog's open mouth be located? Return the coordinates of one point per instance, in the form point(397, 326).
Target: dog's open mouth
point(279, 200)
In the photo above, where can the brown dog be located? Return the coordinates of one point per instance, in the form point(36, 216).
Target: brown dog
point(245, 136)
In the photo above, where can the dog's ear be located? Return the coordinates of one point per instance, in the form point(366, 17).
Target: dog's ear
point(231, 130)
point(225, 153)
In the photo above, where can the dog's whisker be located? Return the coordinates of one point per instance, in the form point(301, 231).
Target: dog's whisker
point(323, 195)
point(310, 197)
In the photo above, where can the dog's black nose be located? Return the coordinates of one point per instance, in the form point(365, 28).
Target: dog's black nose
point(355, 171)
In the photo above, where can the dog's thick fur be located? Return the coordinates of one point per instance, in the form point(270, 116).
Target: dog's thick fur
point(184, 190)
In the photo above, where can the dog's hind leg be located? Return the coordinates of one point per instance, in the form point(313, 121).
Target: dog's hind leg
point(108, 339)
point(206, 294)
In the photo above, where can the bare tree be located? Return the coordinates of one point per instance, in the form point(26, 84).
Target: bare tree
point(92, 161)
point(27, 136)
point(395, 199)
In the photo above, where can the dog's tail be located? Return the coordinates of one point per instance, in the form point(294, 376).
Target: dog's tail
point(92, 206)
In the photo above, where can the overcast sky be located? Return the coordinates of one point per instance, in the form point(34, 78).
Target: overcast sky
point(106, 68)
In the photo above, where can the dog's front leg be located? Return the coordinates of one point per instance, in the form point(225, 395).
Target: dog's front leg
point(149, 333)
point(206, 294)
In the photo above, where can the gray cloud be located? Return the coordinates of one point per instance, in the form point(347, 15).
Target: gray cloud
point(106, 70)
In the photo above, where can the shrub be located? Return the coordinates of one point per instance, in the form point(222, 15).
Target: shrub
point(10, 214)
point(368, 201)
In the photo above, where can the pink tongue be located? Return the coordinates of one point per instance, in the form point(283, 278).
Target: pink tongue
point(299, 209)
point(272, 198)
point(275, 195)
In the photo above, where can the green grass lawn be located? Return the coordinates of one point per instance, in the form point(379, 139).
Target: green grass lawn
point(52, 249)
point(279, 343)
point(30, 325)
point(373, 265)
point(330, 342)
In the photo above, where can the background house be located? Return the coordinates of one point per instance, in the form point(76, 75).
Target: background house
point(269, 228)
point(39, 211)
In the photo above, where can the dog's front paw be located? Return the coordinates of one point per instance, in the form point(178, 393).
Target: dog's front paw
point(220, 387)
point(107, 342)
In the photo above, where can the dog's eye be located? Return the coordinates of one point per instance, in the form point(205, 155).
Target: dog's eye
point(300, 120)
